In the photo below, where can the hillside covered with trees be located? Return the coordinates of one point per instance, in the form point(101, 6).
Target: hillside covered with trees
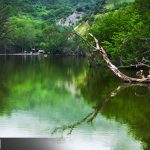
point(38, 24)
point(122, 27)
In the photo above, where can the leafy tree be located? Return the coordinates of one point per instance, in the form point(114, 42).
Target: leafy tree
point(4, 15)
point(143, 5)
point(55, 38)
point(26, 32)
point(123, 33)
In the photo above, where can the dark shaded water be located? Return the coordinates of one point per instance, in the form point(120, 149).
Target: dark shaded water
point(51, 97)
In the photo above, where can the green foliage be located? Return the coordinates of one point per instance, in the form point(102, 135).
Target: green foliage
point(5, 12)
point(116, 4)
point(26, 32)
point(55, 12)
point(55, 38)
point(34, 25)
point(123, 33)
point(143, 5)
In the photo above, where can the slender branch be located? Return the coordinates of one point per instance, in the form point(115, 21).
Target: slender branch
point(139, 65)
point(84, 39)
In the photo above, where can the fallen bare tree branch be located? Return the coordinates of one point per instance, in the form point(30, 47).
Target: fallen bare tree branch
point(114, 69)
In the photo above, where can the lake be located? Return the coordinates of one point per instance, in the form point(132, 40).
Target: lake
point(82, 107)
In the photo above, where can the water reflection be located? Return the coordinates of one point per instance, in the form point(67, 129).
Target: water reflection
point(128, 103)
point(61, 95)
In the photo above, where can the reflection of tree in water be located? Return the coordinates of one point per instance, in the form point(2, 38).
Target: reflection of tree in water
point(127, 103)
point(26, 81)
point(90, 117)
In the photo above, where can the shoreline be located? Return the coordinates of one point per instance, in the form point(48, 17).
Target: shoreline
point(40, 54)
point(22, 54)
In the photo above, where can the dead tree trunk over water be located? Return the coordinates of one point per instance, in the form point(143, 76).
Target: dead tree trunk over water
point(113, 68)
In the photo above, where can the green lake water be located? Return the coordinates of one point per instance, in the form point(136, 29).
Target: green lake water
point(85, 108)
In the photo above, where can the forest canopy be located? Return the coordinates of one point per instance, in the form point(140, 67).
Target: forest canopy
point(125, 32)
point(122, 27)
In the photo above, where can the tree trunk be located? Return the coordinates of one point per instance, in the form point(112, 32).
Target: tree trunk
point(114, 69)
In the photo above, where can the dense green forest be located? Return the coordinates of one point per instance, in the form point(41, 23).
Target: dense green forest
point(38, 25)
point(125, 32)
point(122, 26)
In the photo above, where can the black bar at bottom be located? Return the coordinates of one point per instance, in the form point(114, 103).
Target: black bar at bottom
point(28, 144)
